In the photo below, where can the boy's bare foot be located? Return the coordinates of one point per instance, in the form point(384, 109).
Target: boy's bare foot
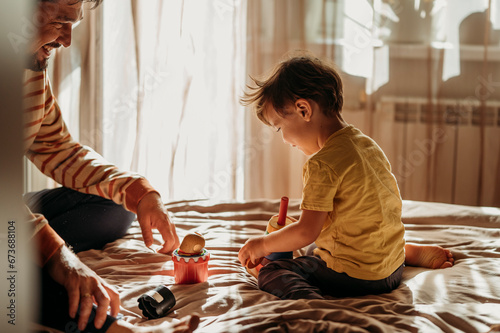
point(429, 256)
point(494, 329)
point(186, 325)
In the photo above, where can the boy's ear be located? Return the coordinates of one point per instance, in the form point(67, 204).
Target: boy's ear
point(303, 107)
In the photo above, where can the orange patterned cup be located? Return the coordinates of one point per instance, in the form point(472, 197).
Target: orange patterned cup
point(190, 269)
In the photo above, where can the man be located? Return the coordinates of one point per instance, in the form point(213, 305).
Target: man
point(96, 203)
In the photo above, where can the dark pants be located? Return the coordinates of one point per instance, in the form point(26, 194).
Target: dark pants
point(308, 277)
point(85, 222)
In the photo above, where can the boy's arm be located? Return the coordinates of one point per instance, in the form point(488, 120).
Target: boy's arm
point(293, 237)
point(297, 235)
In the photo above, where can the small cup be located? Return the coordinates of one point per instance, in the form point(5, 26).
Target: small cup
point(190, 268)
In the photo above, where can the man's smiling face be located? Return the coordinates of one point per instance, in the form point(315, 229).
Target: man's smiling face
point(55, 19)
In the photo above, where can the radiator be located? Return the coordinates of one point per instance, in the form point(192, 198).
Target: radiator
point(435, 148)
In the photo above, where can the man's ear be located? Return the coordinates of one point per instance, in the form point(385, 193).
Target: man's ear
point(304, 108)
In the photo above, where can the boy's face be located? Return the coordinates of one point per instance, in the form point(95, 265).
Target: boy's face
point(294, 127)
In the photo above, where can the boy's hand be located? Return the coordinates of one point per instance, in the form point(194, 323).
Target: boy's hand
point(253, 250)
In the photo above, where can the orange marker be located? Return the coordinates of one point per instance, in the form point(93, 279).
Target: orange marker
point(283, 211)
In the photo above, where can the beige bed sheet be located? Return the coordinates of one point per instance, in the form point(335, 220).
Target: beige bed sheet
point(464, 298)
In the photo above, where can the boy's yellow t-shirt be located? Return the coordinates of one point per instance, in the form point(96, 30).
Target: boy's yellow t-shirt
point(351, 179)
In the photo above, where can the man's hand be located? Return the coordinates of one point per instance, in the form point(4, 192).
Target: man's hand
point(84, 288)
point(151, 213)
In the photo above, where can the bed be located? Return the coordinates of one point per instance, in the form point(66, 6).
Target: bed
point(463, 298)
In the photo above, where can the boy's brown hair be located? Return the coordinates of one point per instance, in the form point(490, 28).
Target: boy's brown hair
point(298, 77)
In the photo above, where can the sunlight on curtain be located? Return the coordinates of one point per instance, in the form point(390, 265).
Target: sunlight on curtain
point(422, 77)
point(174, 71)
point(120, 84)
point(357, 38)
point(456, 16)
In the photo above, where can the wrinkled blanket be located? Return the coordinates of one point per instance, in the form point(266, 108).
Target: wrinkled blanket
point(463, 298)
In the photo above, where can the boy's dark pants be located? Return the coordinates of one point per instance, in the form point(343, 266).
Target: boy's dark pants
point(85, 222)
point(308, 277)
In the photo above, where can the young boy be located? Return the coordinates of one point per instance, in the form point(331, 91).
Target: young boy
point(351, 205)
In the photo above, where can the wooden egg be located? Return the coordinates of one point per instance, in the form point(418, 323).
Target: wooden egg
point(192, 243)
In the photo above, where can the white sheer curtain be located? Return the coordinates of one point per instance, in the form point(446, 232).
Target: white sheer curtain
point(173, 71)
point(421, 77)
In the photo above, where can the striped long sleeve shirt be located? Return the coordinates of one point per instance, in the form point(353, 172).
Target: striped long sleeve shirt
point(49, 145)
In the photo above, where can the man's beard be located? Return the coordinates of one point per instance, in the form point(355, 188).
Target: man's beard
point(40, 65)
point(36, 65)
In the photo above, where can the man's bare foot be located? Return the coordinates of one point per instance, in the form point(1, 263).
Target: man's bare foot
point(429, 256)
point(186, 325)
